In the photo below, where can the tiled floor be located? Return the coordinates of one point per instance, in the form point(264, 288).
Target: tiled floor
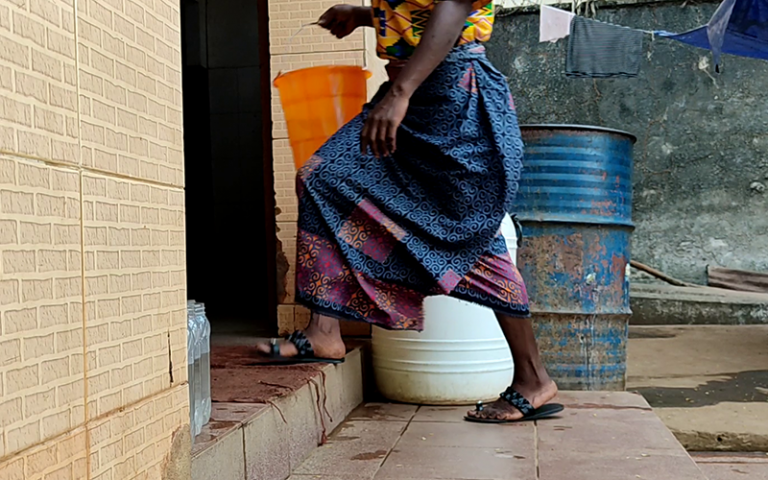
point(600, 436)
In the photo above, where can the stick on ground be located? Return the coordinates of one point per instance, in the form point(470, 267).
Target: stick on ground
point(660, 275)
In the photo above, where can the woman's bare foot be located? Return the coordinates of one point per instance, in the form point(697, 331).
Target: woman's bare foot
point(323, 333)
point(537, 394)
point(531, 378)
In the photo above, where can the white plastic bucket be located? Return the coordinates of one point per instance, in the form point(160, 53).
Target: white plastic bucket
point(460, 357)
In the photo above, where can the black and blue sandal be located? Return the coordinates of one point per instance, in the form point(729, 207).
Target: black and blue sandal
point(514, 398)
point(306, 354)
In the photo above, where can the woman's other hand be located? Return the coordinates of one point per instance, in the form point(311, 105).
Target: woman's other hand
point(341, 20)
point(380, 129)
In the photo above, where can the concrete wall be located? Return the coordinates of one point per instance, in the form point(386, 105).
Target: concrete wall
point(92, 279)
point(701, 160)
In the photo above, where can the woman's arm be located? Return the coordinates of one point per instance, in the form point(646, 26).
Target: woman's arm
point(342, 20)
point(440, 35)
point(364, 16)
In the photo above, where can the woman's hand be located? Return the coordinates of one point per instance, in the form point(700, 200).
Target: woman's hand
point(342, 20)
point(440, 35)
point(380, 129)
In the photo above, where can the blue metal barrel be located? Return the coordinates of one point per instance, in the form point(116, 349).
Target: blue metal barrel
point(575, 206)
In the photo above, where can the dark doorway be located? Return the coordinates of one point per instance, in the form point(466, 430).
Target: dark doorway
point(228, 162)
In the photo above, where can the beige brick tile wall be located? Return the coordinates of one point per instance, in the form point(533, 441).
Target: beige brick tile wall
point(63, 457)
point(90, 120)
point(134, 442)
point(287, 236)
point(41, 345)
point(38, 99)
point(285, 319)
point(130, 88)
point(287, 36)
point(291, 318)
point(134, 289)
point(91, 213)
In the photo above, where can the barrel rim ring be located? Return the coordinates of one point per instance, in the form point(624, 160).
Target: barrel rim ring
point(281, 76)
point(581, 220)
point(565, 126)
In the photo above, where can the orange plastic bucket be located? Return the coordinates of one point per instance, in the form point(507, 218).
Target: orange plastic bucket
point(317, 102)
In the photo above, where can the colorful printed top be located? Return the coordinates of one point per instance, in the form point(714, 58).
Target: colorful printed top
point(400, 23)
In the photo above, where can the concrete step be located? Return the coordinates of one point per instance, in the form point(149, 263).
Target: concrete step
point(267, 441)
point(605, 436)
point(669, 305)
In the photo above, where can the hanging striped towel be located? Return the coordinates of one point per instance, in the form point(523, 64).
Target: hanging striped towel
point(602, 50)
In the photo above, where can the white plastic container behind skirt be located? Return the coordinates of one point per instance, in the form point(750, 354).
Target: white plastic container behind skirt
point(460, 357)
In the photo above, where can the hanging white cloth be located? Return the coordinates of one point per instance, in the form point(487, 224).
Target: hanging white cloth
point(554, 23)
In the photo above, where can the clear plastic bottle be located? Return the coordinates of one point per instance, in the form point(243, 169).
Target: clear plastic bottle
point(198, 379)
point(191, 331)
point(205, 363)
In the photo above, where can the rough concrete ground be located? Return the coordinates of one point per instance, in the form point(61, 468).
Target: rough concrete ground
point(749, 466)
point(708, 384)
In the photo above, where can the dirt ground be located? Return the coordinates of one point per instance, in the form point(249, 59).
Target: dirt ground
point(709, 384)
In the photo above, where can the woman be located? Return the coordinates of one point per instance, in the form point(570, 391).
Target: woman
point(407, 199)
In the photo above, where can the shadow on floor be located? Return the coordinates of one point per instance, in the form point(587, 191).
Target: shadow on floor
point(649, 333)
point(237, 332)
point(750, 386)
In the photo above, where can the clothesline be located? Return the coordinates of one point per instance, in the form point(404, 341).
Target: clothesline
point(738, 27)
point(570, 15)
point(595, 49)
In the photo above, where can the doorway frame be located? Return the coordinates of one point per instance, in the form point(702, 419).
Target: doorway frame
point(270, 217)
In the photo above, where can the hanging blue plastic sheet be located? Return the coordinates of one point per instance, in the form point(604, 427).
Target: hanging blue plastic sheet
point(738, 27)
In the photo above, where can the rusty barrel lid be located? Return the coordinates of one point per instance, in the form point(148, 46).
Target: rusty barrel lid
point(565, 126)
point(576, 174)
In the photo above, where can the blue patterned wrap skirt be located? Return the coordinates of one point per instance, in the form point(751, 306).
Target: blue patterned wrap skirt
point(376, 236)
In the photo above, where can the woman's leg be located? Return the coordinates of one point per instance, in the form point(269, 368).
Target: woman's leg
point(323, 333)
point(531, 378)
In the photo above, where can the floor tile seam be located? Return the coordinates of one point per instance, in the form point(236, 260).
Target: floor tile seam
point(536, 450)
point(373, 420)
point(438, 421)
point(459, 447)
point(582, 406)
point(250, 416)
point(397, 442)
point(631, 452)
point(729, 463)
point(219, 439)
